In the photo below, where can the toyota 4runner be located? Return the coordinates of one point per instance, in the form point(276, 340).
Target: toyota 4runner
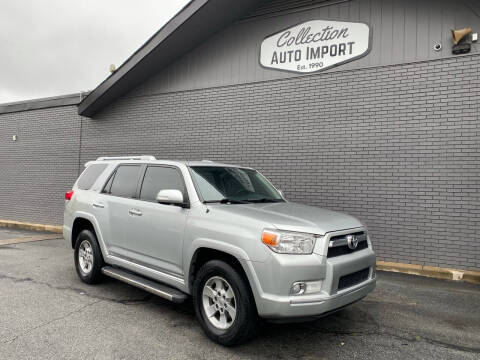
point(222, 234)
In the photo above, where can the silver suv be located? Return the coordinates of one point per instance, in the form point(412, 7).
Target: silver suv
point(222, 234)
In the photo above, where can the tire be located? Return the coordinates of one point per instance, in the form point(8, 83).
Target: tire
point(87, 252)
point(231, 331)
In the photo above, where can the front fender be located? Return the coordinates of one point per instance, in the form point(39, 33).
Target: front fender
point(229, 249)
point(213, 244)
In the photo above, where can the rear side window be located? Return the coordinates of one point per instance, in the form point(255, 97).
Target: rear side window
point(160, 178)
point(124, 181)
point(90, 175)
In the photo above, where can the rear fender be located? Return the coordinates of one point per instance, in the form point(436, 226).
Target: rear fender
point(96, 227)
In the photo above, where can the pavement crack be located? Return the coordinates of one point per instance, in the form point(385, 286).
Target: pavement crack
point(410, 338)
point(79, 291)
point(415, 338)
point(73, 312)
point(452, 346)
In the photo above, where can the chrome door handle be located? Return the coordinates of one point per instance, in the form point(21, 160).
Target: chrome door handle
point(135, 212)
point(98, 205)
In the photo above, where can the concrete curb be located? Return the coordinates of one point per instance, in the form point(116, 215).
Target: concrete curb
point(30, 226)
point(28, 239)
point(430, 271)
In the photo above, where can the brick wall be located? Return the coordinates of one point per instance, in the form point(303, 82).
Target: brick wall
point(37, 169)
point(397, 146)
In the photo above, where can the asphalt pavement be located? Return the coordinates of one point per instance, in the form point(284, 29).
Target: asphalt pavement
point(46, 312)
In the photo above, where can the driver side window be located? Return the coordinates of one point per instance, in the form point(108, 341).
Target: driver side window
point(161, 178)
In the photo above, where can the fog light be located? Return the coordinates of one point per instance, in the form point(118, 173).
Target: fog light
point(313, 287)
point(306, 287)
point(298, 288)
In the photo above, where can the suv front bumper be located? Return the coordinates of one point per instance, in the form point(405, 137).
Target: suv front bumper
point(312, 306)
point(274, 278)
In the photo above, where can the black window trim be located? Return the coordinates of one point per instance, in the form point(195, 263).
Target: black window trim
point(186, 200)
point(114, 172)
point(106, 183)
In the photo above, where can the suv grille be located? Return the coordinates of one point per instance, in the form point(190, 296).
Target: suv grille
point(338, 244)
point(353, 279)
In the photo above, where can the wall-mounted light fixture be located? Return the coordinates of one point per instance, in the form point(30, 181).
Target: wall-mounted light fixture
point(14, 137)
point(461, 41)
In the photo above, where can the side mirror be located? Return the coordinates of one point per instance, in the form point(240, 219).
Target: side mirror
point(174, 197)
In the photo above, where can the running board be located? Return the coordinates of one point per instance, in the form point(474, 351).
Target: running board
point(153, 287)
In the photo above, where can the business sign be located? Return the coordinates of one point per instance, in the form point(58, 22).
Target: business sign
point(315, 45)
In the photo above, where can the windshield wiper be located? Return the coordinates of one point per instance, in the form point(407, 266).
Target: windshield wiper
point(225, 201)
point(264, 200)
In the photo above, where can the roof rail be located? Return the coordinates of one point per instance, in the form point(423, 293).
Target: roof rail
point(141, 157)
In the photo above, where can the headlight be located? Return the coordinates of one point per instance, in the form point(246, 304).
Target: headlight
point(287, 242)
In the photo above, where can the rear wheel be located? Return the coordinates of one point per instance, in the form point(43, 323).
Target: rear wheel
point(223, 304)
point(88, 257)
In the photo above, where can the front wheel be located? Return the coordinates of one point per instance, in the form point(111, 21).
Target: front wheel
point(223, 304)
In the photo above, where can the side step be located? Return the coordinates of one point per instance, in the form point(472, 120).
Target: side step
point(153, 287)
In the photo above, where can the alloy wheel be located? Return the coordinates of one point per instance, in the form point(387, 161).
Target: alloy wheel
point(85, 257)
point(219, 303)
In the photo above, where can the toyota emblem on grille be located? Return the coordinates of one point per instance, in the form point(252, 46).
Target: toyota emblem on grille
point(352, 241)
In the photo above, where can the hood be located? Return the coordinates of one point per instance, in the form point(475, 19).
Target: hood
point(295, 217)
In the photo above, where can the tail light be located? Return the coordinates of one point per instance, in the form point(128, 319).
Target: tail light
point(68, 195)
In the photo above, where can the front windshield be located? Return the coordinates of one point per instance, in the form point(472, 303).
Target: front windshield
point(218, 183)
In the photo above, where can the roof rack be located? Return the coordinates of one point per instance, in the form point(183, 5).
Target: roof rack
point(141, 157)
